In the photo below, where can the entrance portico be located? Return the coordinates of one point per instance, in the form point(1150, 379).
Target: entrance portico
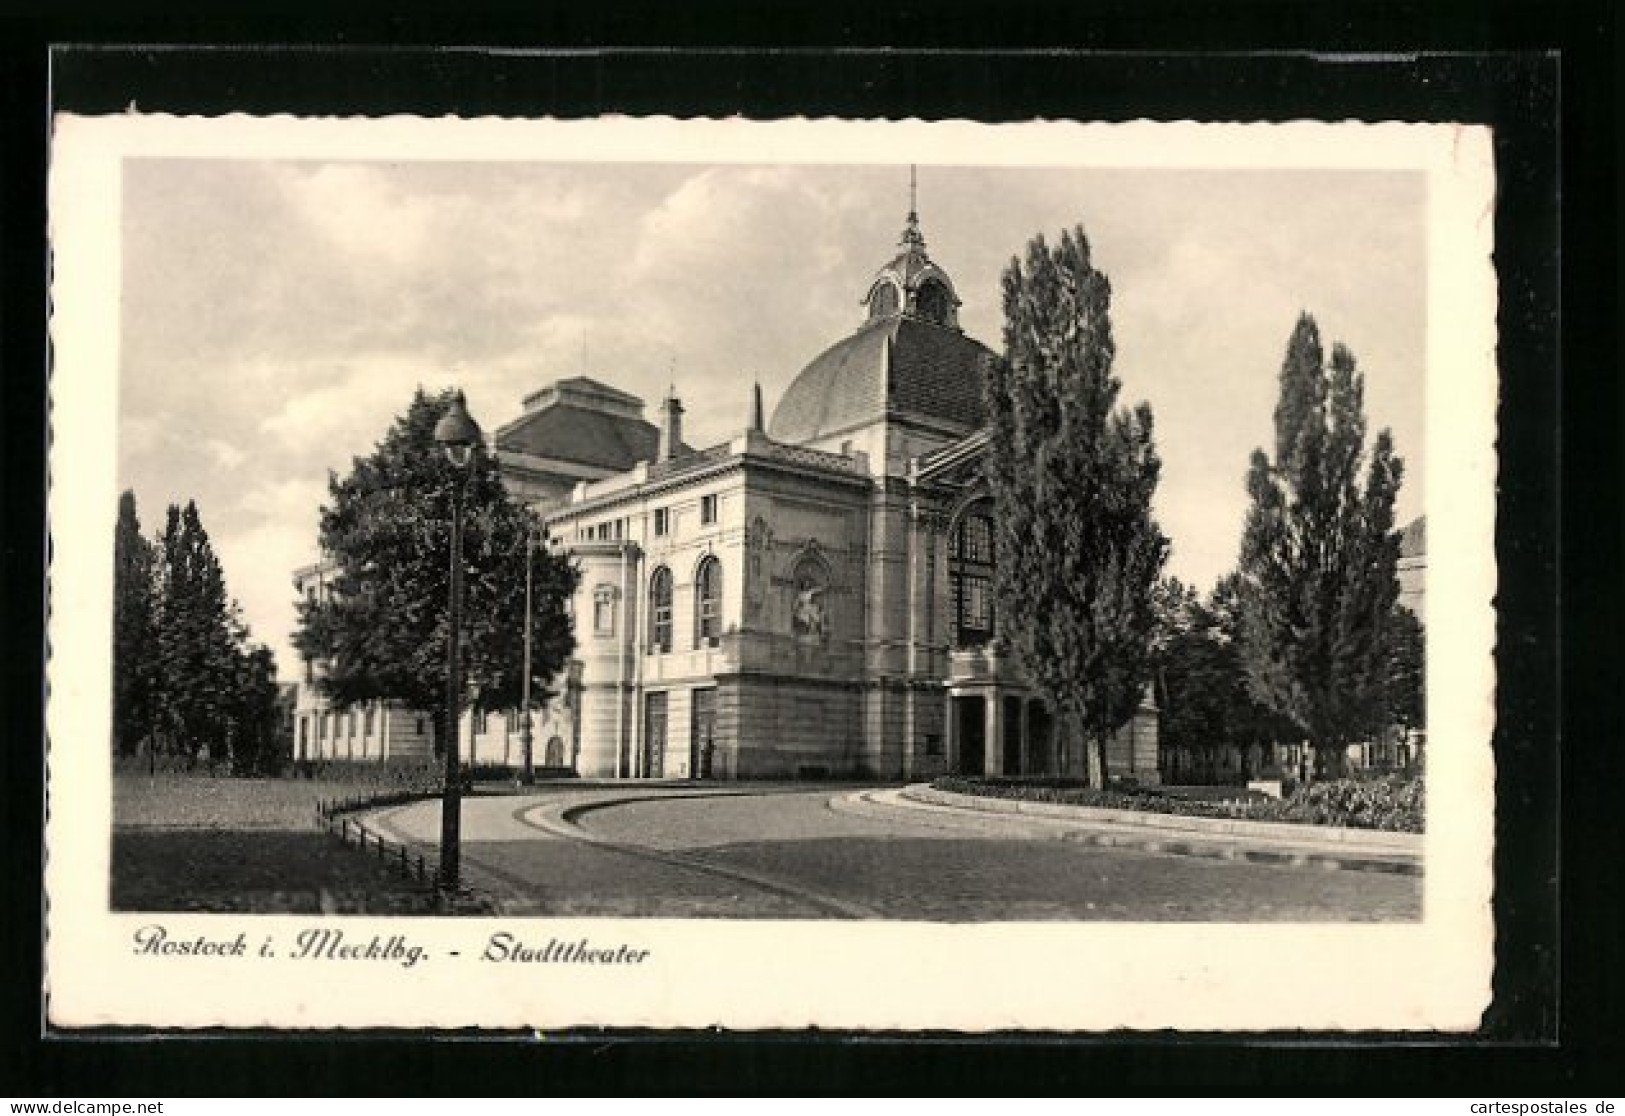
point(996, 726)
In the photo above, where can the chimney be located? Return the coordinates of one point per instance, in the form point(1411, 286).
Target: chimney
point(671, 427)
point(757, 426)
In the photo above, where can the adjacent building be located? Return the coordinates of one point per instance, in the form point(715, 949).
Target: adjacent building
point(1413, 565)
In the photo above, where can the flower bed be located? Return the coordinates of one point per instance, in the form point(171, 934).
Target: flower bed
point(1391, 803)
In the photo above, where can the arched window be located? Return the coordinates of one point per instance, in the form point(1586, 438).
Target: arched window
point(970, 577)
point(708, 602)
point(660, 610)
point(931, 302)
point(883, 301)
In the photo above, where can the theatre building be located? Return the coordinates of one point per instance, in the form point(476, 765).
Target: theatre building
point(814, 597)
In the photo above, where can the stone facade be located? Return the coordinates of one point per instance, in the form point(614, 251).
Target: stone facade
point(793, 603)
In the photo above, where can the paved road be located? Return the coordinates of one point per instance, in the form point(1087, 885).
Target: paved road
point(800, 853)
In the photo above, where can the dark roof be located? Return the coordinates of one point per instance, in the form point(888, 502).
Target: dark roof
point(1413, 541)
point(583, 436)
point(890, 365)
point(586, 388)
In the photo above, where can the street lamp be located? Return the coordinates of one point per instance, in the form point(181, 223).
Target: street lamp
point(459, 436)
point(524, 700)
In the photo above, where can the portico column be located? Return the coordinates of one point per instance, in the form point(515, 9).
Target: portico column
point(951, 733)
point(993, 751)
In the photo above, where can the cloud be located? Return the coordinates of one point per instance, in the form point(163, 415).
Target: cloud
point(353, 409)
point(361, 213)
point(226, 455)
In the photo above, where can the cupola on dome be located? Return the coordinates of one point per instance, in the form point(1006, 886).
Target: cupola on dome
point(909, 359)
point(912, 285)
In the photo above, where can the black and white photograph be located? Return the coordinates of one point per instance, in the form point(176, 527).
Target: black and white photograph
point(644, 572)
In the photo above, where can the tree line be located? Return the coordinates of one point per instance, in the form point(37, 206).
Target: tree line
point(1304, 641)
point(187, 680)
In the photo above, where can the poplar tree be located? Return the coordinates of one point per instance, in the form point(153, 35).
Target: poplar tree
point(1072, 476)
point(134, 636)
point(198, 642)
point(381, 631)
point(1406, 689)
point(1317, 584)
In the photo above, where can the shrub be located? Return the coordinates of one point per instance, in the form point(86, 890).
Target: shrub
point(1393, 802)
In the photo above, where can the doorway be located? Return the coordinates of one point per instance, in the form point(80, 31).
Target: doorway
point(1012, 737)
point(971, 723)
point(703, 741)
point(654, 736)
point(1040, 745)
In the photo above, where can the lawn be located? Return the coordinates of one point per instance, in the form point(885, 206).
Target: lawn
point(198, 843)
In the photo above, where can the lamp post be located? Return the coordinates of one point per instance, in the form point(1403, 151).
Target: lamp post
point(524, 685)
point(459, 436)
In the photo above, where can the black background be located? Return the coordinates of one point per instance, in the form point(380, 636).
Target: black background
point(1540, 74)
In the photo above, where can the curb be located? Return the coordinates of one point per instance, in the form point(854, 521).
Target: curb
point(1106, 832)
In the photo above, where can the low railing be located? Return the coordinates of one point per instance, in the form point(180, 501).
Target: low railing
point(332, 815)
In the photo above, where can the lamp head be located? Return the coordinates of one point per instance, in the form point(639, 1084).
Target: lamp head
point(457, 432)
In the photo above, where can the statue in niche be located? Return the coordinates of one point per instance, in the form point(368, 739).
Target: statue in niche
point(809, 617)
point(809, 611)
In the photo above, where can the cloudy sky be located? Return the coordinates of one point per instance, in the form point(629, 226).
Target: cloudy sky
point(277, 315)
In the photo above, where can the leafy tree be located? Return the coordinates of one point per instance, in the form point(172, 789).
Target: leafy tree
point(1072, 476)
point(134, 634)
point(381, 632)
point(1189, 663)
point(198, 640)
point(1317, 584)
point(255, 716)
point(1247, 720)
point(1201, 683)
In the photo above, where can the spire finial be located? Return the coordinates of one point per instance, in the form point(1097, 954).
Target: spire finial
point(912, 237)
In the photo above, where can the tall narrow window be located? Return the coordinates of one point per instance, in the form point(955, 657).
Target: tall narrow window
point(603, 610)
point(970, 576)
point(708, 509)
point(708, 603)
point(660, 610)
point(662, 521)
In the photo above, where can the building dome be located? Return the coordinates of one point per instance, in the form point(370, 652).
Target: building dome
point(909, 359)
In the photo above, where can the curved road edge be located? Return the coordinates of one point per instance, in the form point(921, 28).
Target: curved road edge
point(560, 820)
